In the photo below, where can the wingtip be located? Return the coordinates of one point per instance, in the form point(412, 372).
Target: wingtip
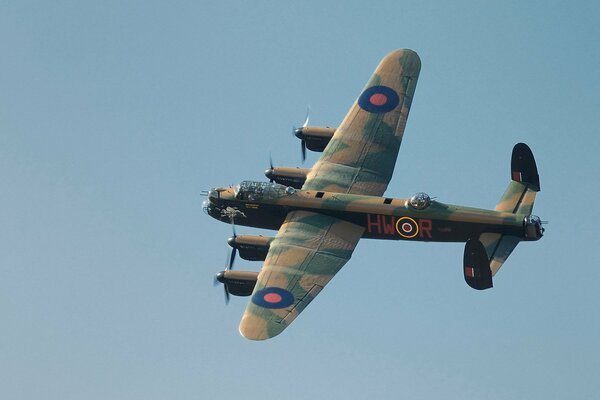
point(251, 334)
point(408, 59)
point(253, 327)
point(404, 54)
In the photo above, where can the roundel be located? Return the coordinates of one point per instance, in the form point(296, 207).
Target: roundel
point(378, 99)
point(273, 297)
point(407, 227)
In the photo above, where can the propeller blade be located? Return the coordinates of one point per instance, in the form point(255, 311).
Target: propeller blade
point(269, 172)
point(231, 241)
point(307, 118)
point(233, 227)
point(226, 294)
point(232, 258)
point(304, 125)
point(220, 278)
point(303, 147)
point(298, 133)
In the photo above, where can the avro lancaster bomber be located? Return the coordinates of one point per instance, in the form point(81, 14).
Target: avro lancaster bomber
point(321, 213)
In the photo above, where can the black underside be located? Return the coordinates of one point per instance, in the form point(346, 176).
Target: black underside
point(316, 143)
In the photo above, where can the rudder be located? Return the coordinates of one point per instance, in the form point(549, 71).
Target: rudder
point(525, 182)
point(518, 198)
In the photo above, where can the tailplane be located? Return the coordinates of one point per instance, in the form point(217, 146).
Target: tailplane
point(518, 198)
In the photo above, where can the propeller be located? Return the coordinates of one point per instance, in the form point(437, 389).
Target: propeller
point(298, 133)
point(269, 172)
point(220, 276)
point(233, 249)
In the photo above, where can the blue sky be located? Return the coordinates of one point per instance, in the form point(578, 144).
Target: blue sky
point(114, 116)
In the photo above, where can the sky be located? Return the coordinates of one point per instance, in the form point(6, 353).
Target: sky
point(115, 116)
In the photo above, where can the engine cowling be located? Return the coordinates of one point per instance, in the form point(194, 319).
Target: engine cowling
point(251, 247)
point(238, 283)
point(316, 138)
point(294, 177)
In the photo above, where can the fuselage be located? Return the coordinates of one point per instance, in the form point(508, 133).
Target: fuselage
point(265, 205)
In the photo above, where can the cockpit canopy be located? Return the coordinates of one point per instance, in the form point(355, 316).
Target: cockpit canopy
point(255, 191)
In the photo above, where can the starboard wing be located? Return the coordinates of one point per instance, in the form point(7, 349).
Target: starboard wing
point(361, 155)
point(308, 250)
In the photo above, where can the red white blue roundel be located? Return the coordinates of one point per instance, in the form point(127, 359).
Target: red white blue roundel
point(378, 99)
point(273, 297)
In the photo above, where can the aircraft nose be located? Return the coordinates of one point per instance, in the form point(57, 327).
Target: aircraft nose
point(213, 196)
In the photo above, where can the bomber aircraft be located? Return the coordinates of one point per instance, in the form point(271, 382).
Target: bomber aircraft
point(321, 213)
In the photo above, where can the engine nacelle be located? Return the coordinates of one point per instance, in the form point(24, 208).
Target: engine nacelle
point(294, 177)
point(316, 138)
point(238, 283)
point(251, 247)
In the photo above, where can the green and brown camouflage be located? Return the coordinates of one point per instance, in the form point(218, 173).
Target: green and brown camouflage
point(307, 252)
point(339, 201)
point(361, 155)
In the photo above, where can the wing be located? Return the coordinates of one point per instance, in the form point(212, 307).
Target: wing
point(361, 155)
point(307, 252)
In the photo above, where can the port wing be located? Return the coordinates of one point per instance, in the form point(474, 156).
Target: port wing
point(307, 252)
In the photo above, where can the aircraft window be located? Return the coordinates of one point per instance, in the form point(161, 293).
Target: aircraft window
point(255, 191)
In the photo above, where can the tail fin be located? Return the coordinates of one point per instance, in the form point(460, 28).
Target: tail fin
point(517, 199)
point(520, 194)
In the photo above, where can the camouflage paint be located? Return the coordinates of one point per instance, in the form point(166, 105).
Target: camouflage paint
point(320, 225)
